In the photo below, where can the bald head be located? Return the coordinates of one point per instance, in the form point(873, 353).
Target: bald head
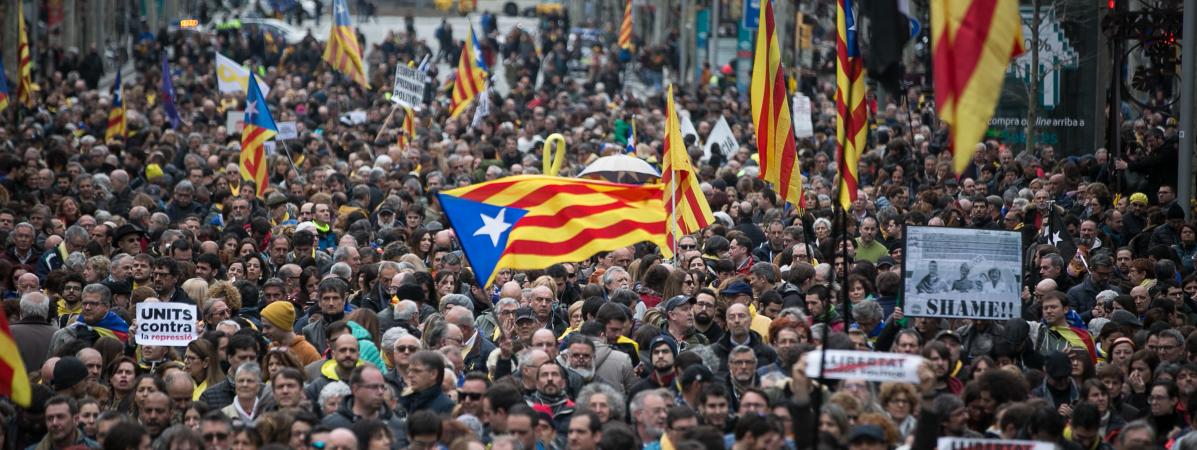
point(341, 438)
point(511, 289)
point(1046, 285)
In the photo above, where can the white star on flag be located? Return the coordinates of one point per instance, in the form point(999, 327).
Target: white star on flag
point(251, 109)
point(493, 226)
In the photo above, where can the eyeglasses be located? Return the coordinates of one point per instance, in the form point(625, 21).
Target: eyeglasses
point(469, 395)
point(687, 246)
point(215, 436)
point(407, 348)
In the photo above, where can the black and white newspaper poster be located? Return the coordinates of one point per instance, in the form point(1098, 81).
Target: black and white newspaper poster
point(962, 273)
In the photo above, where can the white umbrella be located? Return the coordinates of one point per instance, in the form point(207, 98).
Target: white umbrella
point(621, 169)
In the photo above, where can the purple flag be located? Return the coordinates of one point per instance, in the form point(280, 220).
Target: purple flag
point(168, 94)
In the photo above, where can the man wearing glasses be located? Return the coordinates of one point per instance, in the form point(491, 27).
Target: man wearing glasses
point(366, 402)
point(166, 279)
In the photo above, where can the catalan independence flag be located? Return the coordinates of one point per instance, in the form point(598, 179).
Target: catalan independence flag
point(776, 150)
point(342, 51)
point(687, 207)
point(408, 128)
point(3, 86)
point(116, 116)
point(625, 28)
point(534, 221)
point(851, 114)
point(972, 42)
point(259, 128)
point(14, 380)
point(470, 80)
point(24, 61)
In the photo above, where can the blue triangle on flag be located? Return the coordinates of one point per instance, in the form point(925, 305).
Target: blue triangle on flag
point(482, 229)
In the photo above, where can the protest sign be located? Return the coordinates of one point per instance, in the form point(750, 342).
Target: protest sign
point(721, 140)
point(803, 128)
point(870, 366)
point(409, 87)
point(287, 130)
point(234, 122)
point(962, 273)
point(954, 443)
point(687, 126)
point(163, 323)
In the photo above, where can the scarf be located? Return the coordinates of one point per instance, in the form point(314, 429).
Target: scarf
point(111, 325)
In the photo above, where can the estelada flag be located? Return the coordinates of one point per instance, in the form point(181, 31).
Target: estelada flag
point(531, 222)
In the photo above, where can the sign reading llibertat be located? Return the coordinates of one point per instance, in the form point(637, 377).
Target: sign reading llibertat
point(962, 273)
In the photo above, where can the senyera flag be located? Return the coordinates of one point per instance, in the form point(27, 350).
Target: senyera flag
point(771, 113)
point(534, 221)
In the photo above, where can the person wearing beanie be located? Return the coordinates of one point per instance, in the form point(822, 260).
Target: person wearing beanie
point(662, 353)
point(70, 376)
point(278, 324)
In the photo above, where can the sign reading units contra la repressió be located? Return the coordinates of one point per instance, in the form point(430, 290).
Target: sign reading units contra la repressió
point(962, 273)
point(953, 443)
point(165, 323)
point(870, 366)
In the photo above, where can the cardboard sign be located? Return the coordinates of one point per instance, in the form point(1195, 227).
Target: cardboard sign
point(162, 323)
point(234, 122)
point(803, 127)
point(287, 130)
point(962, 273)
point(409, 87)
point(954, 443)
point(860, 365)
point(721, 140)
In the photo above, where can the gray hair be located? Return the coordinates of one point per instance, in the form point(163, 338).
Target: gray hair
point(1137, 425)
point(610, 274)
point(230, 323)
point(250, 367)
point(406, 310)
point(1106, 295)
point(457, 300)
point(341, 270)
point(509, 441)
point(75, 261)
point(506, 301)
point(76, 232)
point(615, 400)
point(334, 389)
point(391, 336)
point(867, 311)
point(1174, 334)
point(185, 185)
point(35, 305)
point(740, 349)
point(342, 254)
point(765, 270)
point(102, 290)
point(638, 400)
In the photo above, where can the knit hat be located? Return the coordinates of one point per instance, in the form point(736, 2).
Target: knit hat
point(280, 315)
point(68, 372)
point(1138, 197)
point(153, 171)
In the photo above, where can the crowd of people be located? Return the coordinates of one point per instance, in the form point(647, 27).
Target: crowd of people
point(338, 311)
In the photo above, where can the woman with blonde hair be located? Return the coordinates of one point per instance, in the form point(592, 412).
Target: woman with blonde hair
point(197, 289)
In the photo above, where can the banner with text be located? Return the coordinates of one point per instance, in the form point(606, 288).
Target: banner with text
point(870, 366)
point(163, 323)
point(720, 141)
point(409, 87)
point(953, 443)
point(962, 273)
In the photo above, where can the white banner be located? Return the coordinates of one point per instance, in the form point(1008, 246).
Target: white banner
point(962, 273)
point(287, 130)
point(954, 443)
point(869, 366)
point(233, 77)
point(409, 87)
point(234, 122)
point(720, 141)
point(803, 128)
point(163, 323)
point(687, 126)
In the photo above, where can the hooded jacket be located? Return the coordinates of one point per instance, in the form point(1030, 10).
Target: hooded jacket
point(433, 399)
point(366, 349)
point(614, 367)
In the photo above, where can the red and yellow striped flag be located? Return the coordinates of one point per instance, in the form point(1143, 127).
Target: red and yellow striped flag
point(685, 204)
point(259, 128)
point(851, 115)
point(408, 128)
point(972, 42)
point(116, 116)
point(342, 50)
point(14, 381)
point(535, 221)
point(777, 153)
point(470, 80)
point(625, 28)
point(24, 62)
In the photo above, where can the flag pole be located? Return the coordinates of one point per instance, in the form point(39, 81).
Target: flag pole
point(673, 210)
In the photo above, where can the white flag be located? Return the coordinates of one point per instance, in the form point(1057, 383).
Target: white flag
point(233, 77)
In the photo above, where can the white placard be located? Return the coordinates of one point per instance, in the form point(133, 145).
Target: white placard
point(687, 126)
point(861, 365)
point(287, 130)
point(720, 141)
point(234, 122)
point(962, 273)
point(803, 127)
point(409, 87)
point(354, 117)
point(233, 77)
point(270, 147)
point(164, 323)
point(954, 443)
